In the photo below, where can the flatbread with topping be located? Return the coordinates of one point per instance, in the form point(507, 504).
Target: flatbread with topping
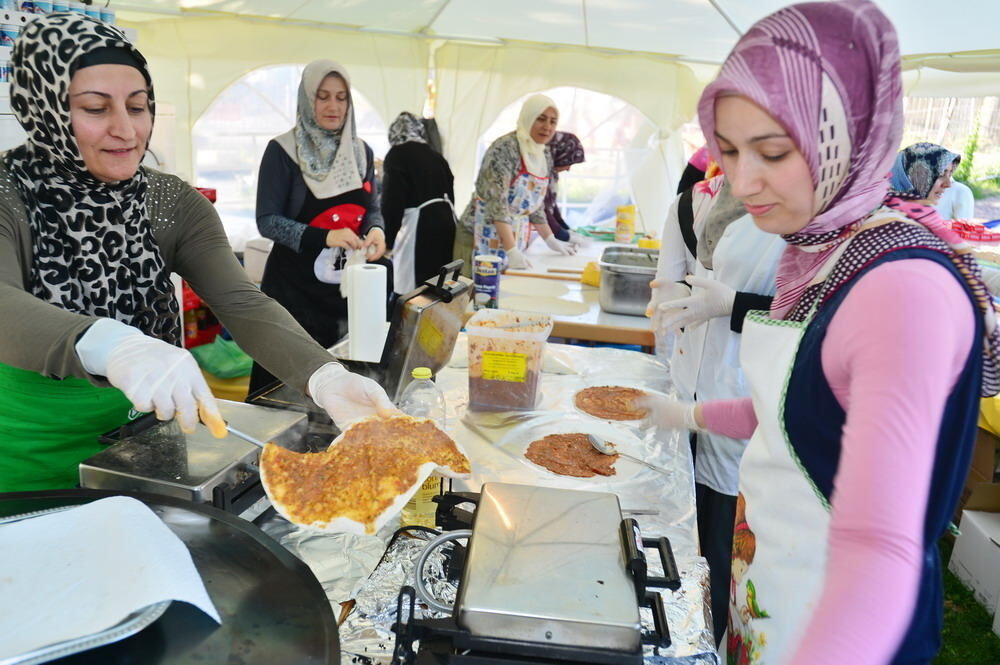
point(611, 402)
point(364, 478)
point(570, 455)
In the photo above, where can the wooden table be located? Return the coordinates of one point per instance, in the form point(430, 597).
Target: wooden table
point(590, 323)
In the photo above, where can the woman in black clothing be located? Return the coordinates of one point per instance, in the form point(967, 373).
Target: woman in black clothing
point(317, 198)
point(417, 197)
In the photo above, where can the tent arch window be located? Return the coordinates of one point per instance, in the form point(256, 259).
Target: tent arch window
point(230, 137)
point(616, 137)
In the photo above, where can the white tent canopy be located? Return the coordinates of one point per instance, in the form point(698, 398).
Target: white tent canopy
point(481, 55)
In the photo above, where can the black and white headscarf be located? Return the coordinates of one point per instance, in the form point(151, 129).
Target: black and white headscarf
point(405, 128)
point(93, 250)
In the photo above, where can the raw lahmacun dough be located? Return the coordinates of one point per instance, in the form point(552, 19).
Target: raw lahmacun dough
point(364, 478)
point(611, 402)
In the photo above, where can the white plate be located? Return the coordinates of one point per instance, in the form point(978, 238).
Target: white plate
point(517, 440)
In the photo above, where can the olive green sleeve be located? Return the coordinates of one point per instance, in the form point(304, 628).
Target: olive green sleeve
point(263, 328)
point(34, 335)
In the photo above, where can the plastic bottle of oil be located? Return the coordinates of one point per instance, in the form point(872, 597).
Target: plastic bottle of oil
point(423, 399)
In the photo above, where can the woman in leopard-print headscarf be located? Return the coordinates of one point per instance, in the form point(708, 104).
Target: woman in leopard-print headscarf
point(89, 327)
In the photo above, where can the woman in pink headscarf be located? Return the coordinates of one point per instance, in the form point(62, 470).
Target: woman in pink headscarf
point(866, 373)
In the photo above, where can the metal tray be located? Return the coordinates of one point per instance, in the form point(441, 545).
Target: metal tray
point(273, 609)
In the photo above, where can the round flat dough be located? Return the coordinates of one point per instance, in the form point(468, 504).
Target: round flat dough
point(543, 305)
point(526, 286)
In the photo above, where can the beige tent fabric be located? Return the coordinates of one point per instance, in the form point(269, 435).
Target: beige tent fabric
point(475, 83)
point(192, 60)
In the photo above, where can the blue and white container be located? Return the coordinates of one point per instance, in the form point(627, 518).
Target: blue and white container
point(60, 5)
point(78, 7)
point(8, 33)
point(92, 11)
point(486, 281)
point(6, 71)
point(9, 5)
point(107, 15)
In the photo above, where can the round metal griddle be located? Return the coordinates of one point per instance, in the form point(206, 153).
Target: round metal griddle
point(273, 609)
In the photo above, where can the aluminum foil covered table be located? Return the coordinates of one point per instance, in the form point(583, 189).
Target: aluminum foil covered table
point(662, 504)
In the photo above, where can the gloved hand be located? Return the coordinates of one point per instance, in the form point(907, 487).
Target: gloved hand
point(348, 397)
point(516, 260)
point(709, 298)
point(579, 239)
point(669, 413)
point(154, 375)
point(560, 247)
point(664, 292)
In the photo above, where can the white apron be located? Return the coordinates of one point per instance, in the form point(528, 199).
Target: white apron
point(404, 250)
point(779, 547)
point(525, 195)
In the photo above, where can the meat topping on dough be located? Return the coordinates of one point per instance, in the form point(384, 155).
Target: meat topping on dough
point(611, 402)
point(570, 455)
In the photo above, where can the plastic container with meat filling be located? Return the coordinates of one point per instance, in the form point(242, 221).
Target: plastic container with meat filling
point(505, 358)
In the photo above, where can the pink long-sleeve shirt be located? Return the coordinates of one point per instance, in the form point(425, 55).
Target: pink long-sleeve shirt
point(892, 355)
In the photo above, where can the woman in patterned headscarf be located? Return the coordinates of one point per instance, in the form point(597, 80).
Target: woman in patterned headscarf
point(567, 150)
point(417, 203)
point(865, 375)
point(90, 335)
point(510, 191)
point(922, 172)
point(317, 199)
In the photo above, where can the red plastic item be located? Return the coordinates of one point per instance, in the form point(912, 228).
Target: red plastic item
point(208, 192)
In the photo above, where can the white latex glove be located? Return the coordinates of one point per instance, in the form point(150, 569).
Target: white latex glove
point(516, 260)
point(664, 292)
point(154, 375)
point(579, 239)
point(560, 247)
point(709, 298)
point(670, 413)
point(348, 397)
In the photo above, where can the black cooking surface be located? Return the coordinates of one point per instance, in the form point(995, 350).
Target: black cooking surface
point(273, 608)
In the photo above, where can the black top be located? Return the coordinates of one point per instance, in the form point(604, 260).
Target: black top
point(281, 193)
point(413, 173)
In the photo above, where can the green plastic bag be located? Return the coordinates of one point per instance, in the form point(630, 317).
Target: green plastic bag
point(223, 358)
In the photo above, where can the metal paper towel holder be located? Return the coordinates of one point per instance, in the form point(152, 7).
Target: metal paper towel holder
point(422, 332)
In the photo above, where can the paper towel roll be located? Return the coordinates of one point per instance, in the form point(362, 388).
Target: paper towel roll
point(366, 301)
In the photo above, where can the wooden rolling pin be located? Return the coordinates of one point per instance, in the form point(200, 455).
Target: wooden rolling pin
point(567, 271)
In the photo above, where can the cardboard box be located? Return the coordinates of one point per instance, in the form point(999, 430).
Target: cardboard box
point(982, 466)
point(976, 557)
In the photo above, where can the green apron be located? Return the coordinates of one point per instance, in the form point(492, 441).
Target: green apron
point(48, 426)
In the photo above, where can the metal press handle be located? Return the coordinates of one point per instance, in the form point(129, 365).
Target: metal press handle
point(660, 635)
point(455, 268)
point(671, 576)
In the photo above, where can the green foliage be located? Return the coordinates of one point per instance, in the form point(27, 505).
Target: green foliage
point(964, 170)
point(968, 637)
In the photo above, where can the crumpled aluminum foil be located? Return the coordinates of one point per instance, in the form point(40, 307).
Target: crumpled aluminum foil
point(342, 563)
point(689, 616)
point(366, 635)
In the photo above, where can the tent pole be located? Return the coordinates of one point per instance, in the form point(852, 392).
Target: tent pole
point(724, 15)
